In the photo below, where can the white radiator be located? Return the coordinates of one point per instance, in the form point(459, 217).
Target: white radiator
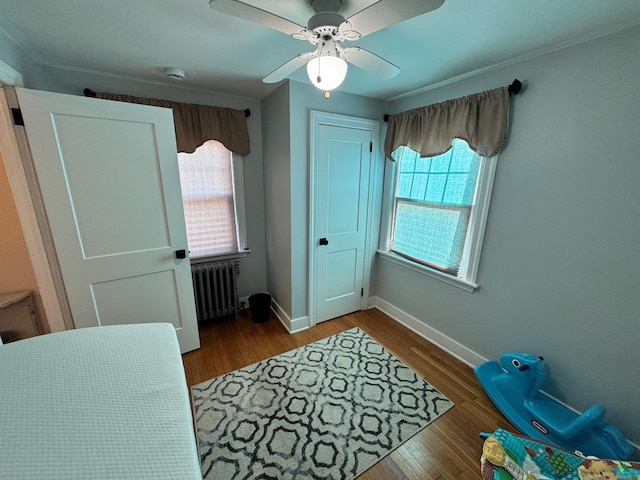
point(214, 285)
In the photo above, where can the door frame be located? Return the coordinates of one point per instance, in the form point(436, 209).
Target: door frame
point(17, 159)
point(318, 118)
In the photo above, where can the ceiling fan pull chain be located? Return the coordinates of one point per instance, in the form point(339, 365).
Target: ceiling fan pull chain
point(319, 77)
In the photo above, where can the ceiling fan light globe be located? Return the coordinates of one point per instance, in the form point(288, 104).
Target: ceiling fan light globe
point(326, 72)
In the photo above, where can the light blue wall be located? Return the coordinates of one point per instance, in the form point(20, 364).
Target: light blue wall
point(304, 99)
point(276, 150)
point(252, 276)
point(286, 114)
point(559, 269)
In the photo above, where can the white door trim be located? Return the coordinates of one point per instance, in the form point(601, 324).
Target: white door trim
point(318, 118)
point(15, 153)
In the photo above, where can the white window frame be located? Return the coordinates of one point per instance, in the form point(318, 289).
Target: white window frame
point(239, 203)
point(475, 230)
point(237, 165)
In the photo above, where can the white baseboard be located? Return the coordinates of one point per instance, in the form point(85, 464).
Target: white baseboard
point(292, 326)
point(449, 345)
point(299, 324)
point(371, 302)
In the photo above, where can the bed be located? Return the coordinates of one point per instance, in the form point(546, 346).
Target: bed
point(96, 403)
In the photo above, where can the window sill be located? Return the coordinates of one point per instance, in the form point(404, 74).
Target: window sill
point(222, 256)
point(443, 277)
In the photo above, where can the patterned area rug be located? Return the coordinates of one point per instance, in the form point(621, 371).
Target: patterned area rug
point(328, 410)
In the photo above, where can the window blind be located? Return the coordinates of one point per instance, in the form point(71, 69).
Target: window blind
point(206, 179)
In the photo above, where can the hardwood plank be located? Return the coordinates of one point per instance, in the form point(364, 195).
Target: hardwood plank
point(448, 448)
point(383, 470)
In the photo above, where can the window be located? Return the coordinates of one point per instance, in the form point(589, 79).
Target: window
point(438, 212)
point(213, 199)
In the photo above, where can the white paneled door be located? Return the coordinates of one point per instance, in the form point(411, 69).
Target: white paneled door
point(109, 181)
point(342, 173)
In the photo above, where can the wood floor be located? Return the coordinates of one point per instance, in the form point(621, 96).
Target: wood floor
point(449, 448)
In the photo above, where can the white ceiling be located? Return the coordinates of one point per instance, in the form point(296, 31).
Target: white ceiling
point(137, 39)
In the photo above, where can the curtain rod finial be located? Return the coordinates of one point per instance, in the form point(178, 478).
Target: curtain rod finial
point(515, 87)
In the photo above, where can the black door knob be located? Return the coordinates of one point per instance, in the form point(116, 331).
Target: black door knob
point(181, 254)
point(323, 241)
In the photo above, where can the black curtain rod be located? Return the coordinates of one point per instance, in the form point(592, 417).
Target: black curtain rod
point(90, 93)
point(514, 89)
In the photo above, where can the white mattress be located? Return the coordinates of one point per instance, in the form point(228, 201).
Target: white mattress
point(96, 403)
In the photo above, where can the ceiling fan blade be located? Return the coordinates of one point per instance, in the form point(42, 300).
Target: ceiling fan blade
point(385, 13)
point(245, 11)
point(370, 62)
point(286, 69)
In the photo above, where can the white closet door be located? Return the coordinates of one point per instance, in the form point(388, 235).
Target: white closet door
point(109, 180)
point(343, 166)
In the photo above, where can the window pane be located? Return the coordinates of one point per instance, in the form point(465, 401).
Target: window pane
point(458, 191)
point(422, 164)
point(404, 186)
point(207, 195)
point(434, 198)
point(435, 191)
point(440, 164)
point(419, 187)
point(408, 163)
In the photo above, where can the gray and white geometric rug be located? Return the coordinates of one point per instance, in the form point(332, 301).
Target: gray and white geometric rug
point(328, 410)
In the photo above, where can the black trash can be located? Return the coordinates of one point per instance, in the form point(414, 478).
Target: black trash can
point(260, 304)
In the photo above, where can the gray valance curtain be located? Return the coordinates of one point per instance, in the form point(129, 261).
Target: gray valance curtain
point(195, 124)
point(480, 119)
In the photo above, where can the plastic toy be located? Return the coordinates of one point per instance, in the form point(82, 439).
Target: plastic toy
point(514, 387)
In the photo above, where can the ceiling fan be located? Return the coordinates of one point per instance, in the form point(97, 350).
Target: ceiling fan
point(326, 24)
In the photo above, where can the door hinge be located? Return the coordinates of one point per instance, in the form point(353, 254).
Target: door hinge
point(16, 113)
point(371, 146)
